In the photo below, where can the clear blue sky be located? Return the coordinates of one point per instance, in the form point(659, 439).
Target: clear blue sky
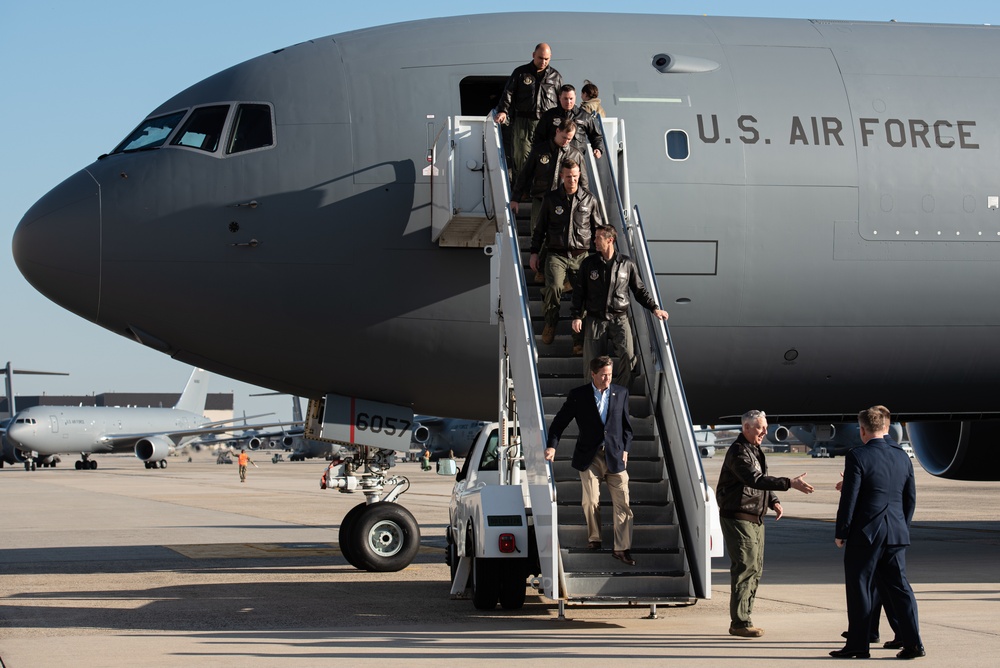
point(78, 76)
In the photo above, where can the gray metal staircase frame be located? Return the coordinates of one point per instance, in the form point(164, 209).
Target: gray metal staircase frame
point(663, 384)
point(518, 342)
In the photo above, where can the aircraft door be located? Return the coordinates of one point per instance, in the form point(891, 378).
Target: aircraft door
point(54, 424)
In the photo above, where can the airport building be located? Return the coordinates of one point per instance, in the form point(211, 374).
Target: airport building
point(218, 406)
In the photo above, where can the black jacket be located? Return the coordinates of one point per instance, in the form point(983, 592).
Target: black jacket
point(540, 172)
point(529, 93)
point(745, 491)
point(586, 124)
point(604, 287)
point(567, 222)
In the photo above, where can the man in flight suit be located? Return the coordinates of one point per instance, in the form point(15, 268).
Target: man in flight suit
point(531, 90)
point(586, 124)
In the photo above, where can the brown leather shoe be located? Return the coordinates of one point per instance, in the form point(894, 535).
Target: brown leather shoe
point(539, 277)
point(624, 556)
point(548, 334)
point(577, 350)
point(594, 545)
point(746, 631)
point(567, 286)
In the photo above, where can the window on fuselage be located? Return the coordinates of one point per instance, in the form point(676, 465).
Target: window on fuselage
point(252, 128)
point(151, 133)
point(203, 128)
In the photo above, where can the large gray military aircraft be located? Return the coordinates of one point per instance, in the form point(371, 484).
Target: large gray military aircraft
point(819, 197)
point(44, 431)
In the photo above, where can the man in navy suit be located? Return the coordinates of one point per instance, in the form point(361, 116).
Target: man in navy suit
point(873, 521)
point(605, 436)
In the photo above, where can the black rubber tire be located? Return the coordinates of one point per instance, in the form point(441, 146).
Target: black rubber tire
point(513, 587)
point(93, 464)
point(485, 583)
point(344, 536)
point(78, 465)
point(386, 538)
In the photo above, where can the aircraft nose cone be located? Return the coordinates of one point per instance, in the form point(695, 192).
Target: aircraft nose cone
point(57, 245)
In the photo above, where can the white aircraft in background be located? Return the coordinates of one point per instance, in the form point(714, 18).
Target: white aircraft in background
point(44, 431)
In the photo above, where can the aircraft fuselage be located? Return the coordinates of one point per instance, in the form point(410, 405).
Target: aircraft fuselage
point(829, 241)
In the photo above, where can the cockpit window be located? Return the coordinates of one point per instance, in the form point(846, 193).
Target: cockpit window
point(203, 128)
point(251, 128)
point(151, 133)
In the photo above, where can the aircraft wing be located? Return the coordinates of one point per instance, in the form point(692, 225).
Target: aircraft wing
point(263, 435)
point(124, 441)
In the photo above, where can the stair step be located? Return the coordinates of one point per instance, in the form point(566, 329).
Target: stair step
point(638, 406)
point(654, 493)
point(649, 562)
point(644, 537)
point(642, 514)
point(623, 585)
point(639, 470)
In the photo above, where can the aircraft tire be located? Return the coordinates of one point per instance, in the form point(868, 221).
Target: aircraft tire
point(78, 465)
point(163, 464)
point(344, 538)
point(385, 538)
point(93, 464)
point(513, 588)
point(485, 583)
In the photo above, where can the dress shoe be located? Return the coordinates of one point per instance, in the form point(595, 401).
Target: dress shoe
point(567, 286)
point(873, 640)
point(624, 556)
point(893, 644)
point(577, 350)
point(539, 277)
point(850, 654)
point(746, 631)
point(594, 545)
point(912, 652)
point(548, 334)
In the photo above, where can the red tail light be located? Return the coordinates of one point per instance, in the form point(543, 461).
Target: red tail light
point(507, 544)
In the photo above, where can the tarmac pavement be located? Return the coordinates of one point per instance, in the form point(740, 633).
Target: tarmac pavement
point(185, 566)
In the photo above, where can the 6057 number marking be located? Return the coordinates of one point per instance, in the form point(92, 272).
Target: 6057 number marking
point(377, 424)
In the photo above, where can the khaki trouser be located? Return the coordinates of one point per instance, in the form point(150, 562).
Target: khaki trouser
point(618, 487)
point(745, 545)
point(613, 338)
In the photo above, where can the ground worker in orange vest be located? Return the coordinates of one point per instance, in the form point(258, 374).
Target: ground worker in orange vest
point(244, 460)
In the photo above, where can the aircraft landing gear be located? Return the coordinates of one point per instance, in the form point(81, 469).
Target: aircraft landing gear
point(85, 463)
point(379, 535)
point(158, 464)
point(29, 465)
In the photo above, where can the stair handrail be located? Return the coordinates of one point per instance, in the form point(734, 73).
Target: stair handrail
point(523, 356)
point(663, 383)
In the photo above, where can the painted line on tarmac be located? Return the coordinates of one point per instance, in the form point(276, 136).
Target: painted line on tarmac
point(266, 550)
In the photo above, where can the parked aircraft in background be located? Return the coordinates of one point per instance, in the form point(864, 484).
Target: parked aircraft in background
point(290, 440)
point(45, 431)
point(443, 435)
point(827, 440)
point(8, 453)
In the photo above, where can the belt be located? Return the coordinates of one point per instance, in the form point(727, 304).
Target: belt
point(566, 252)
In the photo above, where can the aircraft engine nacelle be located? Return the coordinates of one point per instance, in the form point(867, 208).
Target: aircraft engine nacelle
point(254, 443)
point(11, 455)
point(287, 441)
point(152, 448)
point(777, 433)
point(421, 434)
point(957, 450)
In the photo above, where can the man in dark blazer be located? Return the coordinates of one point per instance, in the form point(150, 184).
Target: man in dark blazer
point(873, 521)
point(605, 436)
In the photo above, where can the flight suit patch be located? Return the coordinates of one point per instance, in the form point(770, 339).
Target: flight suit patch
point(594, 274)
point(528, 80)
point(544, 160)
point(559, 210)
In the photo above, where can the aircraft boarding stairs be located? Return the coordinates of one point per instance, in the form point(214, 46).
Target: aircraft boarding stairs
point(669, 496)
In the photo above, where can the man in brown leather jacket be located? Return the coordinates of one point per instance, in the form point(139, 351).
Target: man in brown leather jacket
point(745, 493)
